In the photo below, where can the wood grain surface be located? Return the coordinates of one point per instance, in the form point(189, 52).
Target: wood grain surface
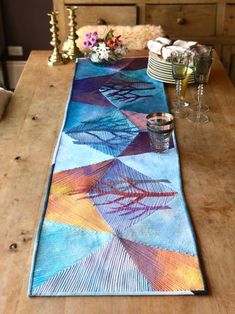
point(30, 130)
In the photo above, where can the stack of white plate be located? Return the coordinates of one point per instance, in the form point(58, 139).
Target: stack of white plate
point(161, 70)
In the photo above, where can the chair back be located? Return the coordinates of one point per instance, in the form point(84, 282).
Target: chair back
point(134, 37)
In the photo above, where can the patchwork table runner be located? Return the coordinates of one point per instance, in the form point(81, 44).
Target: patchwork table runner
point(115, 220)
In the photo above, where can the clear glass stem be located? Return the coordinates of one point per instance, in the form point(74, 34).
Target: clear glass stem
point(178, 94)
point(200, 91)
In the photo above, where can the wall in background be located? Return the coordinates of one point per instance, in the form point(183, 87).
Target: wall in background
point(26, 24)
point(2, 40)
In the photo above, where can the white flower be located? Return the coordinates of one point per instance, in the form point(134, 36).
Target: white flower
point(94, 57)
point(120, 50)
point(102, 51)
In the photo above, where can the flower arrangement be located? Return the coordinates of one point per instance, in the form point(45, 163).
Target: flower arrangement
point(106, 50)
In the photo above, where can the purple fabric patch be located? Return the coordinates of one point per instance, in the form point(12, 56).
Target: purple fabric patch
point(87, 91)
point(137, 64)
point(139, 145)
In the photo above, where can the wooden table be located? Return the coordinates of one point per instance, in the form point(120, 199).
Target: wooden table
point(29, 131)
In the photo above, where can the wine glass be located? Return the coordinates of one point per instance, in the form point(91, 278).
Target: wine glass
point(202, 65)
point(183, 101)
point(179, 61)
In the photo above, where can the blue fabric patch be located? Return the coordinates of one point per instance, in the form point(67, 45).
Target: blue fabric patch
point(62, 246)
point(156, 166)
point(88, 69)
point(78, 156)
point(165, 229)
point(81, 112)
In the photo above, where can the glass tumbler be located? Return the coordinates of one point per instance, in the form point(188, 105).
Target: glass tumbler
point(160, 126)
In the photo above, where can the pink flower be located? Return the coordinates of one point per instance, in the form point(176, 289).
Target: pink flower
point(90, 39)
point(88, 35)
point(86, 43)
point(93, 41)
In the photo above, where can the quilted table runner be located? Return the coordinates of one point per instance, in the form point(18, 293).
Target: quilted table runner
point(115, 220)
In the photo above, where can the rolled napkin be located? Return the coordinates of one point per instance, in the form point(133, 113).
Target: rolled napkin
point(166, 51)
point(157, 44)
point(164, 46)
point(5, 96)
point(185, 44)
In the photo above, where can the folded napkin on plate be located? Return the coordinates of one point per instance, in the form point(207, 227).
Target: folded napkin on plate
point(157, 44)
point(185, 44)
point(164, 46)
point(5, 96)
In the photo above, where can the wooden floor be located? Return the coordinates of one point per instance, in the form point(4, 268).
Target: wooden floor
point(28, 136)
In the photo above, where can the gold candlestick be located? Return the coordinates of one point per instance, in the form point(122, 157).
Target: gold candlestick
point(73, 51)
point(56, 57)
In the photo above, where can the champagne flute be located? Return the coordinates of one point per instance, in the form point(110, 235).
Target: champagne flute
point(183, 102)
point(202, 65)
point(179, 61)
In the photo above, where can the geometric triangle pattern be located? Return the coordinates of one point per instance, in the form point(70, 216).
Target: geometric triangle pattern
point(59, 245)
point(109, 134)
point(139, 145)
point(165, 270)
point(138, 119)
point(68, 202)
point(163, 229)
point(115, 220)
point(124, 196)
point(121, 90)
point(116, 264)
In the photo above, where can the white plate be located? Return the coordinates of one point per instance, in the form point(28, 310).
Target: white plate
point(160, 78)
point(164, 75)
point(161, 70)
